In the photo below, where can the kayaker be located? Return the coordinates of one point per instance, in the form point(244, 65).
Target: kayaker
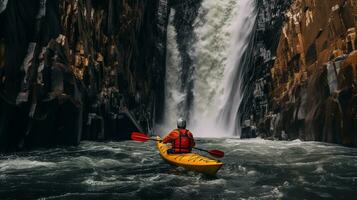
point(181, 138)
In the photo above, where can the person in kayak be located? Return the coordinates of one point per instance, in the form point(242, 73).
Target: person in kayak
point(181, 139)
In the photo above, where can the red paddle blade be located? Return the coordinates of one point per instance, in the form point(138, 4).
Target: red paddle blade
point(216, 153)
point(140, 137)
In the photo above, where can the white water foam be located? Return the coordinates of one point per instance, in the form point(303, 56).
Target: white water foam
point(20, 164)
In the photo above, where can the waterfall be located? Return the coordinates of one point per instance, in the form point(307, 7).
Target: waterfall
point(172, 81)
point(206, 87)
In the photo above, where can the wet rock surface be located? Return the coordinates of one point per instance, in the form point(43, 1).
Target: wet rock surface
point(257, 77)
point(307, 87)
point(72, 70)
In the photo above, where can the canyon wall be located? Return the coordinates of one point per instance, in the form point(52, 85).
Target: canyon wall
point(72, 70)
point(95, 70)
point(306, 87)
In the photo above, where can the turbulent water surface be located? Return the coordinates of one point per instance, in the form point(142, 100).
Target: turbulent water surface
point(254, 169)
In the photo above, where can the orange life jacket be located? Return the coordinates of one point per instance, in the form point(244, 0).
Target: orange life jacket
point(183, 143)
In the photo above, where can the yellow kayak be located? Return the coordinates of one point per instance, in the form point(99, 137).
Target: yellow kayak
point(189, 161)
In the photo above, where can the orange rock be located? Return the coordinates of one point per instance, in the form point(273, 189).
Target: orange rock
point(351, 62)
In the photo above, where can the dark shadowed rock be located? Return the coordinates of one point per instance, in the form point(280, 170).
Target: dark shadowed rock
point(73, 70)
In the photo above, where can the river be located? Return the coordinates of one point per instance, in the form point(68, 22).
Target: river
point(254, 169)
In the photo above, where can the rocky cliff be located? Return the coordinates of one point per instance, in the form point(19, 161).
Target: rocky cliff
point(307, 89)
point(72, 70)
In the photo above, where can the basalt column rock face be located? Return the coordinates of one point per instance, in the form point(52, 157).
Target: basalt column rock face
point(257, 82)
point(72, 70)
point(312, 91)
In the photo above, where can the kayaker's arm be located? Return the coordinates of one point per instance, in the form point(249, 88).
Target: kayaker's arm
point(170, 137)
point(193, 143)
point(193, 140)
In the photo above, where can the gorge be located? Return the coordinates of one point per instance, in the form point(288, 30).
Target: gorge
point(271, 83)
point(92, 70)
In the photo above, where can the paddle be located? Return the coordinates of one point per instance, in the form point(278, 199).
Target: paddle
point(141, 137)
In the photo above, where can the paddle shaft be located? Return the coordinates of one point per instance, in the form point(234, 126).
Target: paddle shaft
point(200, 149)
point(143, 138)
point(192, 147)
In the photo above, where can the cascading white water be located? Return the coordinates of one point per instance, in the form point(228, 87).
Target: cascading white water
point(222, 33)
point(173, 95)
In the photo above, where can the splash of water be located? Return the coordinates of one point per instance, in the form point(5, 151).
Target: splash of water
point(241, 37)
point(222, 32)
